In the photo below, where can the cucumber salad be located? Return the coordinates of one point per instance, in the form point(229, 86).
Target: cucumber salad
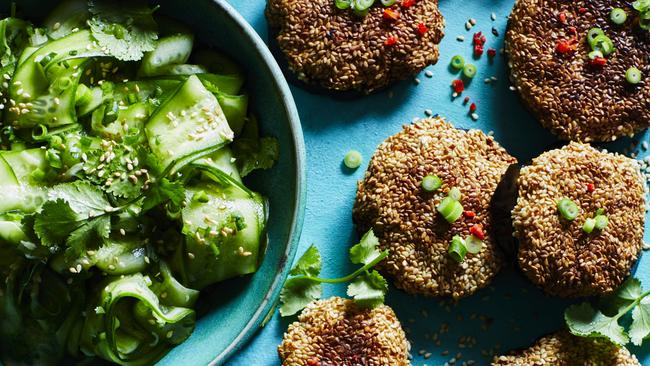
point(121, 197)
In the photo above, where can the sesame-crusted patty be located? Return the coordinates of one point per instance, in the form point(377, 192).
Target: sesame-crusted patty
point(341, 51)
point(338, 332)
point(390, 200)
point(565, 349)
point(555, 253)
point(574, 99)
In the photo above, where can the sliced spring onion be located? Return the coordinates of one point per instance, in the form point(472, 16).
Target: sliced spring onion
point(450, 209)
point(388, 2)
point(600, 211)
point(431, 183)
point(568, 209)
point(469, 71)
point(601, 222)
point(644, 20)
point(455, 194)
point(589, 225)
point(595, 54)
point(457, 62)
point(603, 44)
point(362, 5)
point(592, 34)
point(633, 75)
point(457, 249)
point(618, 16)
point(473, 244)
point(352, 159)
point(342, 4)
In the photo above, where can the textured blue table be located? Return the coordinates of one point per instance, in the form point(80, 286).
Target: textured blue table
point(511, 313)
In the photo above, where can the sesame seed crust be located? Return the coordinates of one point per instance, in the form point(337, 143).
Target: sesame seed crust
point(575, 100)
point(565, 349)
point(557, 254)
point(391, 201)
point(338, 332)
point(341, 51)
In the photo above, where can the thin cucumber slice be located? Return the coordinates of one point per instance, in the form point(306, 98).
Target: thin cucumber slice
point(67, 16)
point(238, 252)
point(24, 162)
point(180, 70)
point(170, 50)
point(217, 63)
point(235, 108)
point(217, 83)
point(188, 122)
point(222, 160)
point(96, 98)
point(7, 175)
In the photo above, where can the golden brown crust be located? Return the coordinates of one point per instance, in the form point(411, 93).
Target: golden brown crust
point(391, 201)
point(573, 99)
point(338, 332)
point(557, 254)
point(565, 349)
point(341, 51)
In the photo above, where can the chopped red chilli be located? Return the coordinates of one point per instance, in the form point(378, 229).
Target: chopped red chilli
point(469, 214)
point(591, 187)
point(390, 41)
point(390, 14)
point(479, 42)
point(477, 231)
point(408, 3)
point(466, 100)
point(598, 61)
point(492, 52)
point(573, 30)
point(582, 10)
point(562, 18)
point(422, 29)
point(567, 46)
point(458, 86)
point(472, 108)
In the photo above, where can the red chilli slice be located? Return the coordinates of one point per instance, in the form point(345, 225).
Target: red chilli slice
point(567, 46)
point(591, 187)
point(408, 3)
point(598, 61)
point(562, 18)
point(390, 41)
point(472, 107)
point(390, 14)
point(422, 29)
point(492, 52)
point(469, 214)
point(477, 231)
point(458, 86)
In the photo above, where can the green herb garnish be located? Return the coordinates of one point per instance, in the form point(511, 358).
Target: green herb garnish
point(586, 321)
point(367, 286)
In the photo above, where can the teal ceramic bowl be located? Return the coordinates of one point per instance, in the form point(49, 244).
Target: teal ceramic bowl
point(231, 312)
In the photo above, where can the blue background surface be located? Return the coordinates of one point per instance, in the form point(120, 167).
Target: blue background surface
point(509, 314)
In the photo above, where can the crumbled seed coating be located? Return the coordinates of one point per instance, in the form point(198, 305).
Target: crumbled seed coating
point(338, 332)
point(565, 349)
point(390, 200)
point(557, 254)
point(575, 100)
point(342, 51)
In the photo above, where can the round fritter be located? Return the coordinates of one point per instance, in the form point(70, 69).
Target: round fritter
point(339, 50)
point(574, 99)
point(337, 332)
point(565, 349)
point(391, 201)
point(556, 254)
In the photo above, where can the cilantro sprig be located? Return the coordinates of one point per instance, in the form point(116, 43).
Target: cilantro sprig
point(643, 7)
point(367, 287)
point(603, 322)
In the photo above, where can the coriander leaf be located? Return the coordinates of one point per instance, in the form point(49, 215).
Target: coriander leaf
point(629, 291)
point(90, 232)
point(642, 5)
point(297, 293)
point(162, 191)
point(366, 251)
point(84, 199)
point(640, 327)
point(584, 321)
point(368, 289)
point(309, 264)
point(124, 31)
point(252, 154)
point(55, 222)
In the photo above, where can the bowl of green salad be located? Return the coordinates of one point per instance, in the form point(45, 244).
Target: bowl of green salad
point(151, 182)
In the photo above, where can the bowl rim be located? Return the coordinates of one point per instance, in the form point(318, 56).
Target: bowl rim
point(282, 87)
